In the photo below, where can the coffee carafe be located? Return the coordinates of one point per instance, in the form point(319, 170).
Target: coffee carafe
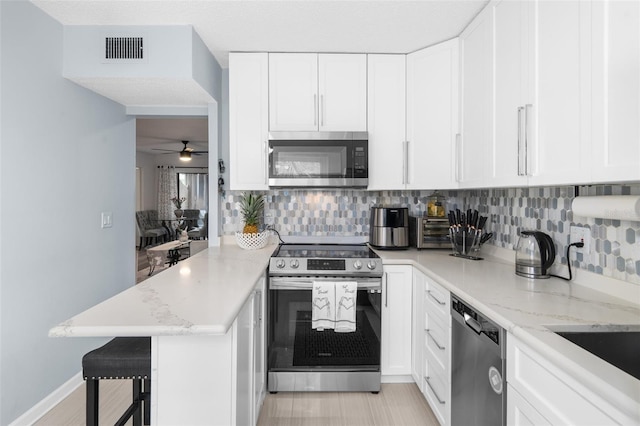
point(535, 253)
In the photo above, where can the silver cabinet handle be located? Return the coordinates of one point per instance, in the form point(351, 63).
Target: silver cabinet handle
point(458, 157)
point(527, 131)
point(266, 162)
point(520, 155)
point(386, 293)
point(435, 298)
point(315, 110)
point(434, 340)
point(426, 378)
point(407, 169)
point(322, 110)
point(404, 162)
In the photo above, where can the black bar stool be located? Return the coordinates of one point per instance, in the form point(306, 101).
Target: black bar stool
point(121, 358)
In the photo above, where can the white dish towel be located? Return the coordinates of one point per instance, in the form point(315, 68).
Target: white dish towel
point(346, 299)
point(323, 299)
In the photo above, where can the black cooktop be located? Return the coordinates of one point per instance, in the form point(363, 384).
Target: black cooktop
point(325, 251)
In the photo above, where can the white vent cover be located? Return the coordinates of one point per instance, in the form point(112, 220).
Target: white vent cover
point(123, 49)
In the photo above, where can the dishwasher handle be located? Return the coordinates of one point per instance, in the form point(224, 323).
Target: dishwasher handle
point(472, 323)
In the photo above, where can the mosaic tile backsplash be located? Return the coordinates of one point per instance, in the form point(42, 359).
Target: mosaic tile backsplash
point(615, 245)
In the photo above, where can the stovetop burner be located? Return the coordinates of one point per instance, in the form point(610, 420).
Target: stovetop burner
point(325, 259)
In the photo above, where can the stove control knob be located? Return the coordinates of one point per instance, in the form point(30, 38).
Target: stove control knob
point(357, 264)
point(280, 263)
point(372, 265)
point(294, 263)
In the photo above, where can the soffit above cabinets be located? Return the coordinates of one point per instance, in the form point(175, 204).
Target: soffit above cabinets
point(286, 26)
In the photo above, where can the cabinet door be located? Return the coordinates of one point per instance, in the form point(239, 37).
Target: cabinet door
point(342, 85)
point(396, 320)
point(293, 91)
point(616, 91)
point(511, 84)
point(432, 116)
point(417, 328)
point(248, 120)
point(520, 412)
point(244, 392)
point(475, 150)
point(259, 351)
point(386, 121)
point(559, 50)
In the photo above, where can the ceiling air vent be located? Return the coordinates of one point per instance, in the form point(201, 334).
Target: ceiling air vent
point(118, 48)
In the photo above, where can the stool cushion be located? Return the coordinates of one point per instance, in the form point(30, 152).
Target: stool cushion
point(121, 358)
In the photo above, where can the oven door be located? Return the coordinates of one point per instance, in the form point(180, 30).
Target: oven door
point(302, 359)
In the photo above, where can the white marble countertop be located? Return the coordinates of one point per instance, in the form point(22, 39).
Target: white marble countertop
point(200, 295)
point(524, 307)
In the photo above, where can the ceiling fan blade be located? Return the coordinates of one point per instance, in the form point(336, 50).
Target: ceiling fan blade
point(167, 150)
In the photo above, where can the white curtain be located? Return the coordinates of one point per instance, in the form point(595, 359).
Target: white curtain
point(167, 189)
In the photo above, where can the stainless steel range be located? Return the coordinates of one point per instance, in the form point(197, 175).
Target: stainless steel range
point(324, 318)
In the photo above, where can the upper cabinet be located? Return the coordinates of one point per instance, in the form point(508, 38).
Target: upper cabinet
point(432, 117)
point(248, 120)
point(475, 145)
point(387, 121)
point(616, 91)
point(317, 92)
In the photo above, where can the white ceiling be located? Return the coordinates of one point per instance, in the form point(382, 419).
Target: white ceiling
point(391, 26)
point(167, 133)
point(362, 26)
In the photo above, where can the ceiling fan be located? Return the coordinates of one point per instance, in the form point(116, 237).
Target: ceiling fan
point(185, 153)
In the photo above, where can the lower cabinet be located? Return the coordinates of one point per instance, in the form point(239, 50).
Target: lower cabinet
point(250, 358)
point(541, 393)
point(436, 328)
point(396, 323)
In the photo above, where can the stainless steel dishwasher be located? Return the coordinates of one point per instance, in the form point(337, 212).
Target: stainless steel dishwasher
point(478, 379)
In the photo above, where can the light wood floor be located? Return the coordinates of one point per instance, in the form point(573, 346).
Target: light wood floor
point(399, 404)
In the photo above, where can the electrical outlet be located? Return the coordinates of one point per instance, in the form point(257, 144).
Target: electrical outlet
point(107, 219)
point(581, 234)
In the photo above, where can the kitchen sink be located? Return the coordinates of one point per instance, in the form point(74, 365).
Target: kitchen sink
point(619, 345)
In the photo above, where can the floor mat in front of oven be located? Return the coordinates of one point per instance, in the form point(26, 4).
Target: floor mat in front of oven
point(325, 348)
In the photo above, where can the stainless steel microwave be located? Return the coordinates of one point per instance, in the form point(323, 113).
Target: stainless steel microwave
point(318, 159)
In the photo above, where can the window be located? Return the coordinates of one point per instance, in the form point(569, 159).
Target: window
point(195, 187)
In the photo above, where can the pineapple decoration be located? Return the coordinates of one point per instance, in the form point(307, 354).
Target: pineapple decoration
point(251, 208)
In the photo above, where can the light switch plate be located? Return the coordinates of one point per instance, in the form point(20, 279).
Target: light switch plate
point(107, 219)
point(581, 233)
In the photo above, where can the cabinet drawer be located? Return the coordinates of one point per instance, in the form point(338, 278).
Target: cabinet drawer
point(436, 391)
point(437, 341)
point(437, 301)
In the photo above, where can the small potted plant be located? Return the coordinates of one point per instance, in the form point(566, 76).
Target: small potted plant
point(178, 203)
point(251, 208)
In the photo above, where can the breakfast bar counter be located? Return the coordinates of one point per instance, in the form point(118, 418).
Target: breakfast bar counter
point(199, 315)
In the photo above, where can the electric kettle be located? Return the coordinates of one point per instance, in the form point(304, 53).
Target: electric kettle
point(535, 253)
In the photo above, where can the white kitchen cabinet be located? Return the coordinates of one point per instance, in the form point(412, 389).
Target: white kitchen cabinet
point(250, 363)
point(437, 350)
point(551, 393)
point(541, 93)
point(474, 148)
point(396, 323)
point(520, 412)
point(248, 121)
point(432, 117)
point(615, 91)
point(317, 92)
point(417, 328)
point(386, 99)
point(560, 93)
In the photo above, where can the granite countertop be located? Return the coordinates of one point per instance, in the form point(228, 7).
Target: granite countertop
point(200, 295)
point(524, 307)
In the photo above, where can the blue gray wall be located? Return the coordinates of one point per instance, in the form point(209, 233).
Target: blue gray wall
point(67, 154)
point(615, 248)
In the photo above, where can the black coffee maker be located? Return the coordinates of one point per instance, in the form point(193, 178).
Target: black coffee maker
point(535, 253)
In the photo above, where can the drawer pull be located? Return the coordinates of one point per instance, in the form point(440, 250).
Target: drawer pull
point(433, 390)
point(435, 298)
point(434, 340)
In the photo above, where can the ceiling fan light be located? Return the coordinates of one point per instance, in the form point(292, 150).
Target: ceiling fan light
point(185, 156)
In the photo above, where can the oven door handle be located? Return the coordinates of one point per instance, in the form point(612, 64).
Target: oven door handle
point(292, 283)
